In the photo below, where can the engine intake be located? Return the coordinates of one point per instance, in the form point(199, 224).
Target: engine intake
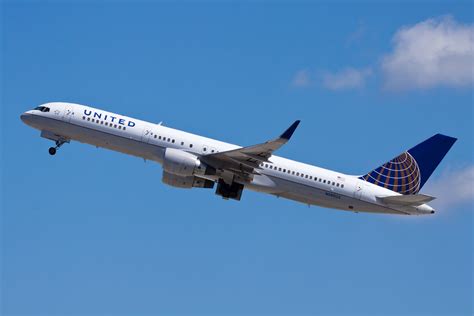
point(179, 162)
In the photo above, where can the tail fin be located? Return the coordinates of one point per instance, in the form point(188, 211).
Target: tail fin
point(408, 172)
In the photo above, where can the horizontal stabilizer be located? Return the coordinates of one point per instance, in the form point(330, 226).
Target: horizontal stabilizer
point(407, 200)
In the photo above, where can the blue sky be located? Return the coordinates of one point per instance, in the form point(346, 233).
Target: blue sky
point(93, 232)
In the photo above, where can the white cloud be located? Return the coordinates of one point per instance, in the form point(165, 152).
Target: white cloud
point(455, 187)
point(435, 52)
point(302, 79)
point(349, 78)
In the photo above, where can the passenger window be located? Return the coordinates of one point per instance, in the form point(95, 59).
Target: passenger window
point(155, 136)
point(83, 117)
point(337, 185)
point(324, 181)
point(102, 123)
point(88, 118)
point(172, 141)
point(342, 185)
point(333, 183)
point(182, 143)
point(298, 174)
point(306, 176)
point(124, 128)
point(293, 173)
point(204, 149)
point(190, 145)
point(115, 126)
point(169, 140)
point(284, 170)
point(279, 169)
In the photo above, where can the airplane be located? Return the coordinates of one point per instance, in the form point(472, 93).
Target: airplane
point(193, 161)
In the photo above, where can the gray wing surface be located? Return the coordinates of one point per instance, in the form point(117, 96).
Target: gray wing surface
point(245, 160)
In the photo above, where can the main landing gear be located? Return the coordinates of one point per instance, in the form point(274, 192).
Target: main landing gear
point(233, 191)
point(59, 143)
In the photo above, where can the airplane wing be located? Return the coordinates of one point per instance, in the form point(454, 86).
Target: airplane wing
point(407, 200)
point(247, 159)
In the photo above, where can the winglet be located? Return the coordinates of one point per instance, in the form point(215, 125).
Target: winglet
point(287, 134)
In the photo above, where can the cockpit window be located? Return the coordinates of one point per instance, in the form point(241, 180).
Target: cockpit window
point(42, 108)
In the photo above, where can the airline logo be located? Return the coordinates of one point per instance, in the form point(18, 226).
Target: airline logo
point(400, 174)
point(109, 118)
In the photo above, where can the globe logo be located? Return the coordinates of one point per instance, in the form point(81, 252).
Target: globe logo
point(400, 174)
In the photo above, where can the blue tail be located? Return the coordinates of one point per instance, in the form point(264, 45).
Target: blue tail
point(408, 172)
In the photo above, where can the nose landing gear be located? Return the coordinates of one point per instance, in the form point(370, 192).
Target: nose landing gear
point(59, 143)
point(52, 151)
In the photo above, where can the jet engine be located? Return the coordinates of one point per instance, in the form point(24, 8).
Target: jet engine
point(180, 163)
point(186, 182)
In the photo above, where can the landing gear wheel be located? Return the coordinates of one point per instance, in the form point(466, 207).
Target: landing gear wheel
point(52, 151)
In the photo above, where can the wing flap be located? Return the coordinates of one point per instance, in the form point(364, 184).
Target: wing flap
point(407, 200)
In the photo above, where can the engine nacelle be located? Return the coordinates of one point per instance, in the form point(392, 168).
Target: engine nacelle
point(179, 162)
point(186, 182)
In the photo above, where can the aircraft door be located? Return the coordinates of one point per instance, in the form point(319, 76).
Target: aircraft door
point(358, 190)
point(68, 113)
point(205, 150)
point(147, 134)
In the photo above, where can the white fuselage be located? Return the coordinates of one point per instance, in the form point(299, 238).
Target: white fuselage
point(281, 177)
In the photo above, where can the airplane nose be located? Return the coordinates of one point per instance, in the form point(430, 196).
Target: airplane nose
point(26, 117)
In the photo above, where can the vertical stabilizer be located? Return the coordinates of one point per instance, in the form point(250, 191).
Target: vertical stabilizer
point(408, 172)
